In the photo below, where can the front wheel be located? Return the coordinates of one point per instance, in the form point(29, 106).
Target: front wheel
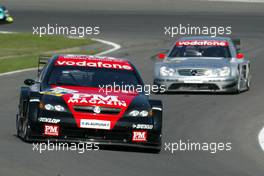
point(25, 131)
point(248, 83)
point(237, 89)
point(22, 125)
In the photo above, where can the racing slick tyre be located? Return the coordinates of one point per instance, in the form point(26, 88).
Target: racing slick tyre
point(19, 118)
point(248, 83)
point(246, 86)
point(237, 90)
point(18, 126)
point(22, 128)
point(25, 131)
point(23, 122)
point(159, 90)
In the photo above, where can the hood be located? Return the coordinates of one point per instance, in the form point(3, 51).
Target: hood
point(88, 103)
point(202, 62)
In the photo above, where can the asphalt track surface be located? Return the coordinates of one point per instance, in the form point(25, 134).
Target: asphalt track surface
point(196, 117)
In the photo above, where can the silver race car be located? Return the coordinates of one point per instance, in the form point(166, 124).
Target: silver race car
point(203, 64)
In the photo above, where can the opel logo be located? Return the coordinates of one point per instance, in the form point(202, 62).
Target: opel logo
point(97, 110)
point(194, 72)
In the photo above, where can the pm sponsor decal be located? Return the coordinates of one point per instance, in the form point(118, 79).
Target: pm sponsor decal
point(139, 136)
point(51, 130)
point(95, 124)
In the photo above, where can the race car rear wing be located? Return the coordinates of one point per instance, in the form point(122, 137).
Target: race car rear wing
point(43, 60)
point(237, 43)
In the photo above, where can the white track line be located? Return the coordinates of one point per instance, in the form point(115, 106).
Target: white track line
point(6, 32)
point(18, 71)
point(246, 1)
point(261, 138)
point(114, 45)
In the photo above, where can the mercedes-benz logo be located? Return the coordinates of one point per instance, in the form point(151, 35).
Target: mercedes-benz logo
point(97, 110)
point(194, 72)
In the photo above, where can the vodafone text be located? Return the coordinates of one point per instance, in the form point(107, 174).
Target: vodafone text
point(201, 43)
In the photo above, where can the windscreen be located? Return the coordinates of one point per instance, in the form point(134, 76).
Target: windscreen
point(92, 77)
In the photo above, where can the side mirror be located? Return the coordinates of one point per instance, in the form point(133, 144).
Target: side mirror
point(29, 82)
point(161, 56)
point(240, 56)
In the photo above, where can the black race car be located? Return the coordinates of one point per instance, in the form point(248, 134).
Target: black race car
point(81, 98)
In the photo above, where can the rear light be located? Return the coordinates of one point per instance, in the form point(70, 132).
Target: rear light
point(161, 56)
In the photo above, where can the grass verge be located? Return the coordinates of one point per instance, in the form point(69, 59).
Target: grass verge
point(21, 50)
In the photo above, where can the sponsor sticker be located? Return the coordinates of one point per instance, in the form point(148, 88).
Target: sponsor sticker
point(62, 90)
point(139, 136)
point(202, 43)
point(95, 124)
point(51, 130)
point(96, 63)
point(48, 120)
point(96, 99)
point(142, 126)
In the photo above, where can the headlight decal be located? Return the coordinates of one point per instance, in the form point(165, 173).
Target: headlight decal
point(166, 71)
point(137, 113)
point(225, 71)
point(51, 107)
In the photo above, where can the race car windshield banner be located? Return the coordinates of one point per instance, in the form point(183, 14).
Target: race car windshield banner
point(201, 43)
point(96, 63)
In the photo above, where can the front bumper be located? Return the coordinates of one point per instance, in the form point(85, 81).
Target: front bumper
point(203, 84)
point(120, 135)
point(104, 142)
